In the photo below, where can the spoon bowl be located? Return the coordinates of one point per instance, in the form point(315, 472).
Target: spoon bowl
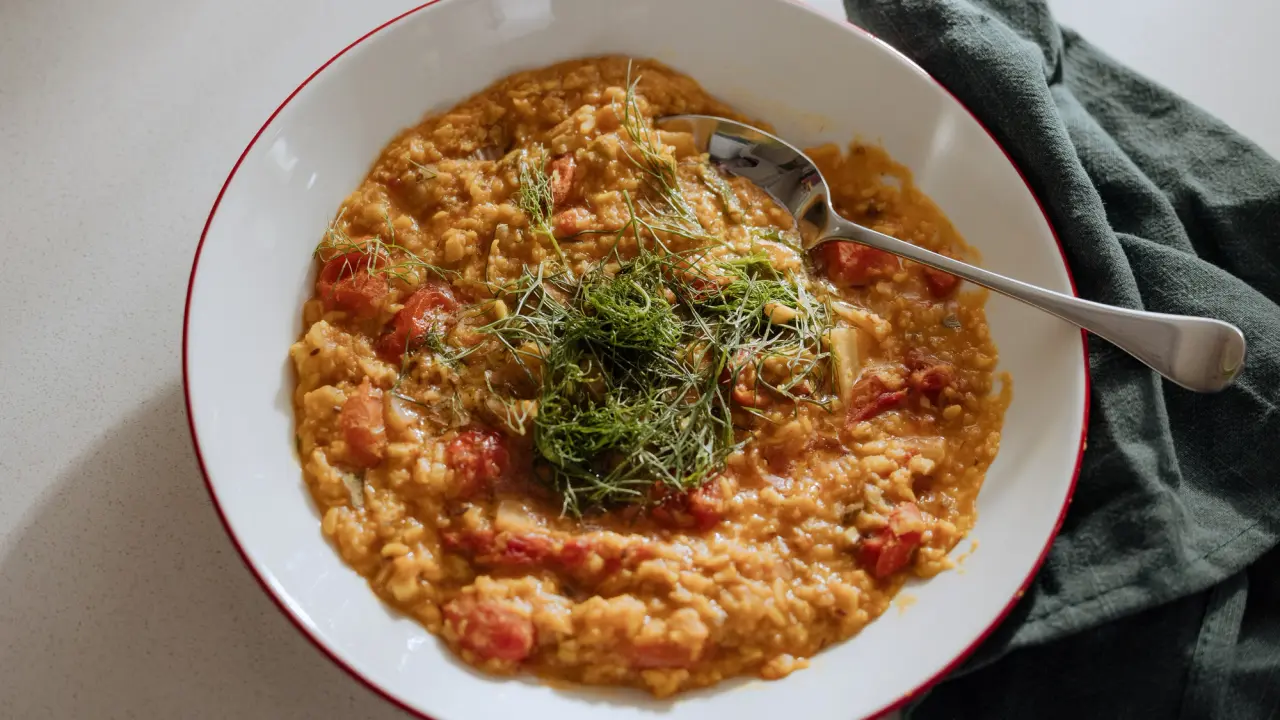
point(1199, 354)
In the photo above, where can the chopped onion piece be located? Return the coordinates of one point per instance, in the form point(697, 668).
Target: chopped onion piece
point(355, 488)
point(513, 516)
point(848, 360)
point(780, 314)
point(865, 319)
point(400, 415)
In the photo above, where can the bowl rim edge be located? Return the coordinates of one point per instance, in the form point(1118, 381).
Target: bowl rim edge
point(389, 696)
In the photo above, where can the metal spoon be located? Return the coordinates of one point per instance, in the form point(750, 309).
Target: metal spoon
point(1200, 354)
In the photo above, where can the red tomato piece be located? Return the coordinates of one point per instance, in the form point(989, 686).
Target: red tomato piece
point(891, 549)
point(896, 555)
point(490, 629)
point(338, 267)
point(872, 397)
point(427, 309)
point(560, 171)
point(697, 510)
point(478, 459)
point(849, 263)
point(940, 284)
point(511, 549)
point(706, 506)
point(534, 549)
point(470, 542)
point(633, 555)
point(359, 295)
point(929, 375)
point(879, 404)
point(345, 283)
point(575, 553)
point(527, 549)
point(362, 425)
point(932, 380)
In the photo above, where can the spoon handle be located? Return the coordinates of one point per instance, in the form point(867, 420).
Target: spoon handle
point(1200, 354)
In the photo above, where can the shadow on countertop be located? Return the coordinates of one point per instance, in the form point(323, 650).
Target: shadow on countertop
point(122, 597)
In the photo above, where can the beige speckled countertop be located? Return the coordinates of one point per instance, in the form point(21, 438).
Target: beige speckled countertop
point(120, 597)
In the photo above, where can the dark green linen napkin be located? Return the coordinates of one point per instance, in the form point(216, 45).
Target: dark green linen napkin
point(1161, 596)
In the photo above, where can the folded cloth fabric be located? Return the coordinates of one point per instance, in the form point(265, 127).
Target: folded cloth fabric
point(1161, 596)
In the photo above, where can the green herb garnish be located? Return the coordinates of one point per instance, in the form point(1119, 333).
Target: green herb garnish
point(718, 185)
point(773, 234)
point(635, 368)
point(534, 197)
point(667, 210)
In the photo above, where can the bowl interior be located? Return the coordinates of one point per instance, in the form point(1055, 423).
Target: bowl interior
point(254, 269)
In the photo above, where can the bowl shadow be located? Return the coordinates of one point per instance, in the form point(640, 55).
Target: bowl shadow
point(123, 597)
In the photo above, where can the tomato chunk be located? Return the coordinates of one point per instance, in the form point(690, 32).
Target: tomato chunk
point(527, 549)
point(576, 552)
point(872, 396)
point(489, 548)
point(470, 542)
point(426, 310)
point(346, 283)
point(940, 284)
point(931, 380)
point(699, 509)
point(706, 506)
point(537, 549)
point(478, 458)
point(849, 263)
point(362, 425)
point(929, 375)
point(576, 555)
point(891, 549)
point(490, 629)
point(886, 554)
point(560, 171)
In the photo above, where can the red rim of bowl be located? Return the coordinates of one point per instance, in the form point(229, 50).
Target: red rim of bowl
point(372, 685)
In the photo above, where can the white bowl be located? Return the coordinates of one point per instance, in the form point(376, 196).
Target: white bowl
point(816, 80)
